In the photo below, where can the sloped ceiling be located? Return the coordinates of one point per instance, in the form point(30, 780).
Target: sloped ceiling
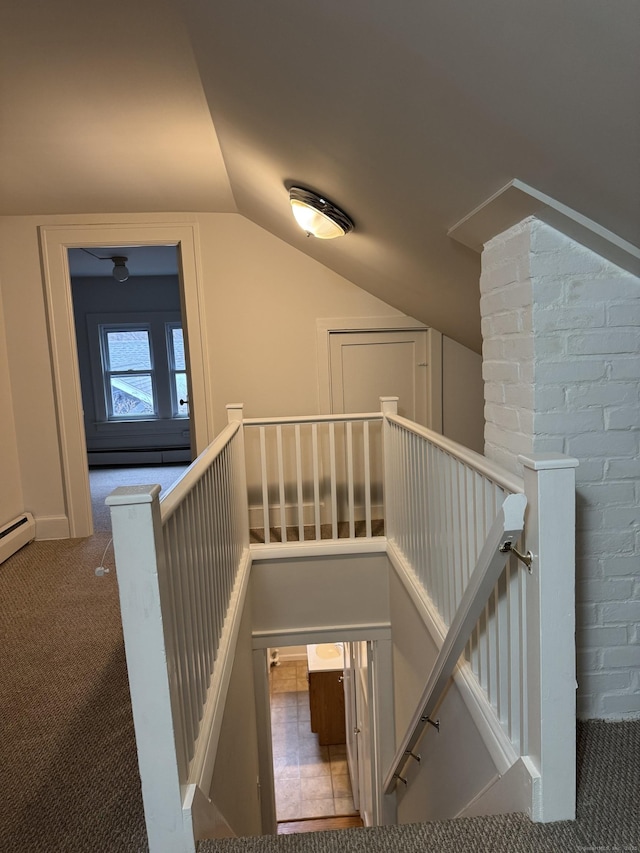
point(407, 114)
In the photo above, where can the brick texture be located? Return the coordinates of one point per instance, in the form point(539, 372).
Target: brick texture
point(561, 330)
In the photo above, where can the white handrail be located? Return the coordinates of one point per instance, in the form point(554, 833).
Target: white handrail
point(313, 419)
point(174, 496)
point(495, 473)
point(507, 527)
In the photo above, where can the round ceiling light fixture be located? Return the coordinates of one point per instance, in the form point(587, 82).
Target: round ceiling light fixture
point(317, 216)
point(120, 271)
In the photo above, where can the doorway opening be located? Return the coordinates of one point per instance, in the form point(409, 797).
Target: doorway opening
point(320, 736)
point(132, 366)
point(55, 241)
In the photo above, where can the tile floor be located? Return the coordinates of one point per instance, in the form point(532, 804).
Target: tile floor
point(310, 780)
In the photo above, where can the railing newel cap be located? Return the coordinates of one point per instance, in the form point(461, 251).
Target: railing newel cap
point(125, 495)
point(547, 461)
point(234, 412)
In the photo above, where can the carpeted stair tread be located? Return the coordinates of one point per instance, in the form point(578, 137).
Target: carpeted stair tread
point(498, 834)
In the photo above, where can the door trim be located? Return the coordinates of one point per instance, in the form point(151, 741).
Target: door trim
point(382, 733)
point(54, 242)
point(325, 327)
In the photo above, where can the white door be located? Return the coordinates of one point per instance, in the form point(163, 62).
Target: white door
point(351, 725)
point(365, 366)
point(364, 734)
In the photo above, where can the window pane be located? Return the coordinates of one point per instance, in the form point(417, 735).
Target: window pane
point(181, 394)
point(131, 396)
point(178, 349)
point(129, 350)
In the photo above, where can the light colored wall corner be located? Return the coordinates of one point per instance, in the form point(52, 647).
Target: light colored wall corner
point(263, 298)
point(11, 498)
point(462, 395)
point(27, 342)
point(436, 789)
point(579, 341)
point(234, 787)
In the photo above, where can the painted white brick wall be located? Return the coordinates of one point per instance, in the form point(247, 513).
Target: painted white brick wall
point(561, 330)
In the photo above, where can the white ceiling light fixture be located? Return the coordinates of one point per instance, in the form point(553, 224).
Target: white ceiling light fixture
point(317, 216)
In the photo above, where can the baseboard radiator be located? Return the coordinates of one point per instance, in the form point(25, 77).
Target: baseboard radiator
point(15, 534)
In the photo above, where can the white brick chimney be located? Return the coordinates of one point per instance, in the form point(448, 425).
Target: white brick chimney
point(561, 352)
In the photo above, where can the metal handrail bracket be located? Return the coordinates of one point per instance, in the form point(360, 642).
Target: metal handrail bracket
point(506, 528)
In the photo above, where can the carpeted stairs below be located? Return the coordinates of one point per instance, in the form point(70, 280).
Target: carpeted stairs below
point(608, 817)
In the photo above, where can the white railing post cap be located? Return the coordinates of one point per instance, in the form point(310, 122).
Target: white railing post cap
point(124, 495)
point(234, 412)
point(547, 461)
point(389, 405)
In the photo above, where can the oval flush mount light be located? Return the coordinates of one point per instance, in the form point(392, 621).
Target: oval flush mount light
point(317, 216)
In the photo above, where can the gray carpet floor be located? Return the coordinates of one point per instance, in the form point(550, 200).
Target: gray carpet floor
point(68, 771)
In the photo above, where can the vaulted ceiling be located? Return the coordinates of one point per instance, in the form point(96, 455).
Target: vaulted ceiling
point(407, 114)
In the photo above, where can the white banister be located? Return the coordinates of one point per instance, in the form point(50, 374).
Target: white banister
point(550, 612)
point(318, 475)
point(138, 548)
point(183, 567)
point(506, 528)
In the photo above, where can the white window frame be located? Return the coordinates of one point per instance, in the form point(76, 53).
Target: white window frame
point(104, 329)
point(170, 325)
point(158, 324)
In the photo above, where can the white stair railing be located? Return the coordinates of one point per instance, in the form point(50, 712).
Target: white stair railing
point(504, 532)
point(316, 477)
point(440, 502)
point(183, 566)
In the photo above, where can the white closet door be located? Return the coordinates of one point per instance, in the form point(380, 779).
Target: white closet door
point(365, 366)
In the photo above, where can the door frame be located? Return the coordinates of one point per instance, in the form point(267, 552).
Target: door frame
point(382, 732)
point(325, 327)
point(54, 242)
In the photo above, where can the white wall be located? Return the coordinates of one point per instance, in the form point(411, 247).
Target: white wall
point(29, 368)
point(329, 592)
point(561, 329)
point(234, 787)
point(11, 500)
point(261, 301)
point(263, 298)
point(462, 395)
point(455, 764)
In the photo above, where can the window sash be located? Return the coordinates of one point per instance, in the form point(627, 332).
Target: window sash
point(127, 400)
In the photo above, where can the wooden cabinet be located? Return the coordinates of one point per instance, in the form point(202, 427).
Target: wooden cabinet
point(326, 702)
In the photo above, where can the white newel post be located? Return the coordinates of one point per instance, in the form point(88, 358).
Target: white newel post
point(549, 484)
point(235, 413)
point(137, 542)
point(388, 406)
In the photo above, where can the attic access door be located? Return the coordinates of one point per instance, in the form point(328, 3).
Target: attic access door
point(367, 365)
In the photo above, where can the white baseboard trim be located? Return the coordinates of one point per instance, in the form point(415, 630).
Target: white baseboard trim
point(15, 534)
point(513, 791)
point(321, 634)
point(52, 527)
point(202, 818)
point(321, 548)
